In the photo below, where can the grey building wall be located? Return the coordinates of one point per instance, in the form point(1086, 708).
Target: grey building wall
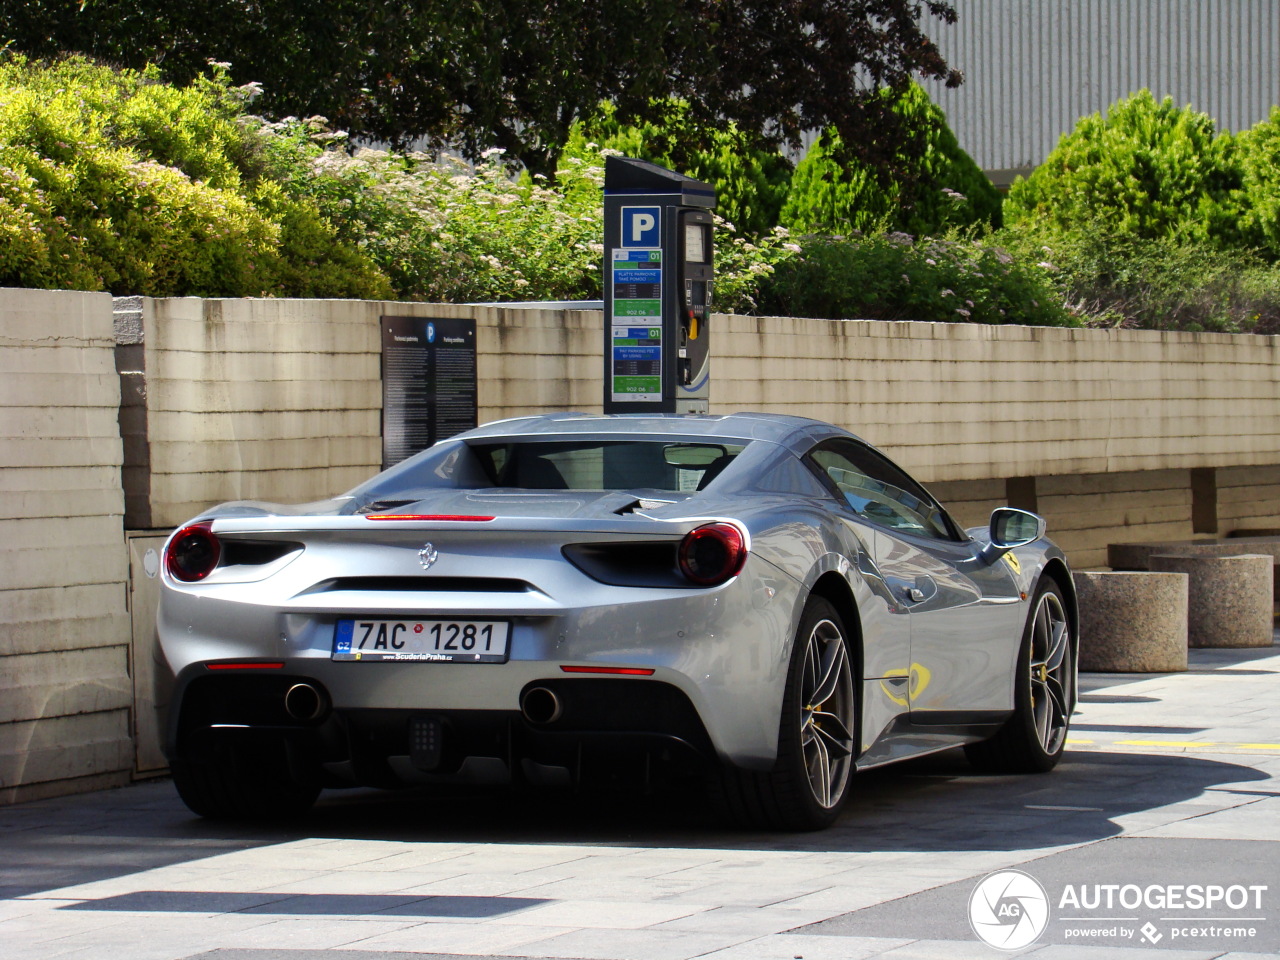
point(1033, 67)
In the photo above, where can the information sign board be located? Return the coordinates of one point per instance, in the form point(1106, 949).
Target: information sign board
point(637, 324)
point(428, 383)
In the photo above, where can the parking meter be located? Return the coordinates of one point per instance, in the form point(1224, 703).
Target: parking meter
point(658, 278)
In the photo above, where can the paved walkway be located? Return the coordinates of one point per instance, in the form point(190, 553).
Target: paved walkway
point(1168, 793)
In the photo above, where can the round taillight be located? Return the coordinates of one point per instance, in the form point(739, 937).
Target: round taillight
point(712, 554)
point(192, 552)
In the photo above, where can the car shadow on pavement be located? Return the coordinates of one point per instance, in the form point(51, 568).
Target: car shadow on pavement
point(933, 804)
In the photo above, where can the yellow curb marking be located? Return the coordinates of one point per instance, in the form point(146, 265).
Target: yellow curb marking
point(1170, 743)
point(1184, 744)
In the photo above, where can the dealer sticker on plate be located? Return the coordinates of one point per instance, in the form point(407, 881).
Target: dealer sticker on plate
point(461, 641)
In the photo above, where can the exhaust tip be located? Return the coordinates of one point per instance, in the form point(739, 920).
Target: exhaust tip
point(304, 702)
point(541, 706)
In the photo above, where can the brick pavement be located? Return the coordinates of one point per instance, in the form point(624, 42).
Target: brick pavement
point(1169, 779)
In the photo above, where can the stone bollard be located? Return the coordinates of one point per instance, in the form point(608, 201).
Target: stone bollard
point(1137, 556)
point(1132, 622)
point(1229, 599)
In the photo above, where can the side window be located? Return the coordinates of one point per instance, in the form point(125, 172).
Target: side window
point(878, 491)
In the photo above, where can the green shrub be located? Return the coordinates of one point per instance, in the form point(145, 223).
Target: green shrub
point(1146, 170)
point(893, 276)
point(1259, 151)
point(751, 184)
point(932, 189)
point(113, 180)
point(1169, 283)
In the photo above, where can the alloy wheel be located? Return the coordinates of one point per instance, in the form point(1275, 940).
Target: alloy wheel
point(827, 698)
point(1051, 686)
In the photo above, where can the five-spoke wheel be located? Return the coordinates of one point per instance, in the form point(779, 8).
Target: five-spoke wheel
point(826, 714)
point(810, 780)
point(1052, 679)
point(1044, 694)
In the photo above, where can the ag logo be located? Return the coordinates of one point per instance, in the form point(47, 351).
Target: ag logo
point(1008, 910)
point(428, 555)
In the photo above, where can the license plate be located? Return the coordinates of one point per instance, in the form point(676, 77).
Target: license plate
point(456, 641)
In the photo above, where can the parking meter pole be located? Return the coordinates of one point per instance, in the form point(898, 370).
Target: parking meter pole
point(658, 278)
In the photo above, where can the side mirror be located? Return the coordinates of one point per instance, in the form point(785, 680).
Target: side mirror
point(1011, 528)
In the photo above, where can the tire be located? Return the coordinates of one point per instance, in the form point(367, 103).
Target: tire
point(1033, 738)
point(243, 785)
point(811, 778)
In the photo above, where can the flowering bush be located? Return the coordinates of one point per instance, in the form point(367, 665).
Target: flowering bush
point(894, 276)
point(1169, 283)
point(446, 232)
point(112, 180)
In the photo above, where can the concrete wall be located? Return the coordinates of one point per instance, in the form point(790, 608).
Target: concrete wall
point(971, 402)
point(281, 399)
point(64, 633)
point(1249, 497)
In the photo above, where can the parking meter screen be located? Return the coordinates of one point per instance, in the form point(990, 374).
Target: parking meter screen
point(695, 251)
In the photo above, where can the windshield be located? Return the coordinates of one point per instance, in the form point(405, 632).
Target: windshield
point(604, 465)
point(672, 466)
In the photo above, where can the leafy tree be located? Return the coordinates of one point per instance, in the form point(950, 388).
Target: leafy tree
point(1147, 170)
point(515, 75)
point(928, 188)
point(751, 183)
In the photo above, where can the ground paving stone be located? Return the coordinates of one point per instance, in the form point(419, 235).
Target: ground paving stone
point(1163, 772)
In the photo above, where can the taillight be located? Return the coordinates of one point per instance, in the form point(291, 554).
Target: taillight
point(192, 552)
point(712, 554)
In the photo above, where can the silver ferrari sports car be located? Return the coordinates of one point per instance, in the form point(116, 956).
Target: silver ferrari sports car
point(764, 602)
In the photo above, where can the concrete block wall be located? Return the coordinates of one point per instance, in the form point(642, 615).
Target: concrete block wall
point(65, 692)
point(281, 399)
point(971, 402)
point(1085, 513)
point(1248, 498)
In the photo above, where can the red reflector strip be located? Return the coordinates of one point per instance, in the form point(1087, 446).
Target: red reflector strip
point(427, 516)
point(273, 665)
point(619, 671)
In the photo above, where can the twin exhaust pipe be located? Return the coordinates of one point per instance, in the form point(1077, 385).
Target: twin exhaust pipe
point(304, 702)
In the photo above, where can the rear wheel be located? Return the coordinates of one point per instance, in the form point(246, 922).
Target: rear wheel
point(1032, 740)
point(810, 781)
point(243, 784)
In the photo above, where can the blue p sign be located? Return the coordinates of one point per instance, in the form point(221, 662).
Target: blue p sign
point(641, 226)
